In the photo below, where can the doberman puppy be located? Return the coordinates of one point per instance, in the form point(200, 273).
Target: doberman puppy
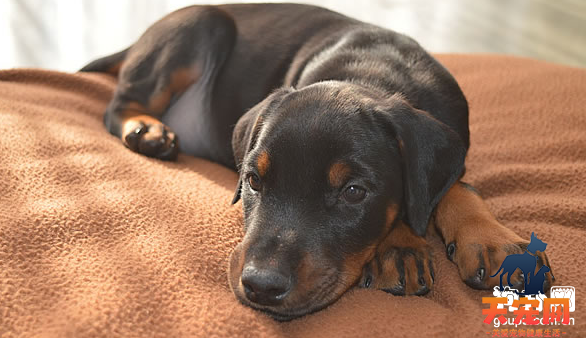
point(347, 138)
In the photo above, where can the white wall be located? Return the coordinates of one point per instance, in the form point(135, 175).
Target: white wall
point(66, 34)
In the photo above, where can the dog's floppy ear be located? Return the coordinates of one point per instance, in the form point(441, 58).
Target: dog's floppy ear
point(433, 159)
point(248, 128)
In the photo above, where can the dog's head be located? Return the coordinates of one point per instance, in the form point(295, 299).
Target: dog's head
point(536, 244)
point(325, 171)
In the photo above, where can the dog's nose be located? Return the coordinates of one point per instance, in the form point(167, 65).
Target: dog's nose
point(264, 286)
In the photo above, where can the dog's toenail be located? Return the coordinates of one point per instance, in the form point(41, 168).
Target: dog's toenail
point(397, 290)
point(481, 273)
point(367, 282)
point(422, 291)
point(422, 281)
point(450, 250)
point(140, 129)
point(402, 281)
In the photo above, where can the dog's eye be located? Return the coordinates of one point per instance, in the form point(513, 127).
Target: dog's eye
point(354, 194)
point(254, 182)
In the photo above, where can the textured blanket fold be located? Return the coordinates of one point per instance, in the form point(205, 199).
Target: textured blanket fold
point(97, 241)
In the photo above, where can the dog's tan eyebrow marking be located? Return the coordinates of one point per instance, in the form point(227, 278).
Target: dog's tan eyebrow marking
point(263, 162)
point(338, 173)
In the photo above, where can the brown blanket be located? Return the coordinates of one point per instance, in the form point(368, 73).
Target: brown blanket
point(97, 241)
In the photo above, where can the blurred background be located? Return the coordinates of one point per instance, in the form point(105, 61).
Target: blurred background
point(66, 34)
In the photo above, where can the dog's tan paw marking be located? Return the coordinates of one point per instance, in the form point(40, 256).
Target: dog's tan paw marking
point(151, 138)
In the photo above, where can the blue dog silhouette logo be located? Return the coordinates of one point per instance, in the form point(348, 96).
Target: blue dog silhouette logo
point(526, 262)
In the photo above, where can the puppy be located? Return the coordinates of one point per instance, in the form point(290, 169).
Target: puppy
point(347, 137)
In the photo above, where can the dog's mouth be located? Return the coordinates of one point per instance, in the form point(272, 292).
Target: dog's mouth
point(304, 304)
point(312, 291)
point(293, 314)
point(284, 315)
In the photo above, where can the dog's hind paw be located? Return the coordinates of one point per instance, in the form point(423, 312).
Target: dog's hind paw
point(150, 137)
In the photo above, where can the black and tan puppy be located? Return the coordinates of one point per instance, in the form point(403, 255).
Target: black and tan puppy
point(346, 136)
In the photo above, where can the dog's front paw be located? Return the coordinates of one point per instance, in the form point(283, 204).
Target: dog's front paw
point(479, 256)
point(479, 244)
point(402, 266)
point(150, 137)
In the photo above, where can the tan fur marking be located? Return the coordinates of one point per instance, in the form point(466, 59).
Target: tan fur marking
point(463, 216)
point(132, 109)
point(159, 102)
point(411, 275)
point(115, 69)
point(401, 237)
point(392, 211)
point(131, 123)
point(354, 264)
point(263, 162)
point(306, 274)
point(311, 278)
point(133, 114)
point(183, 78)
point(338, 174)
point(179, 81)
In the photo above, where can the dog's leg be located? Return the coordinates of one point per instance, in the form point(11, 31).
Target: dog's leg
point(529, 276)
point(475, 240)
point(179, 50)
point(402, 264)
point(509, 275)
